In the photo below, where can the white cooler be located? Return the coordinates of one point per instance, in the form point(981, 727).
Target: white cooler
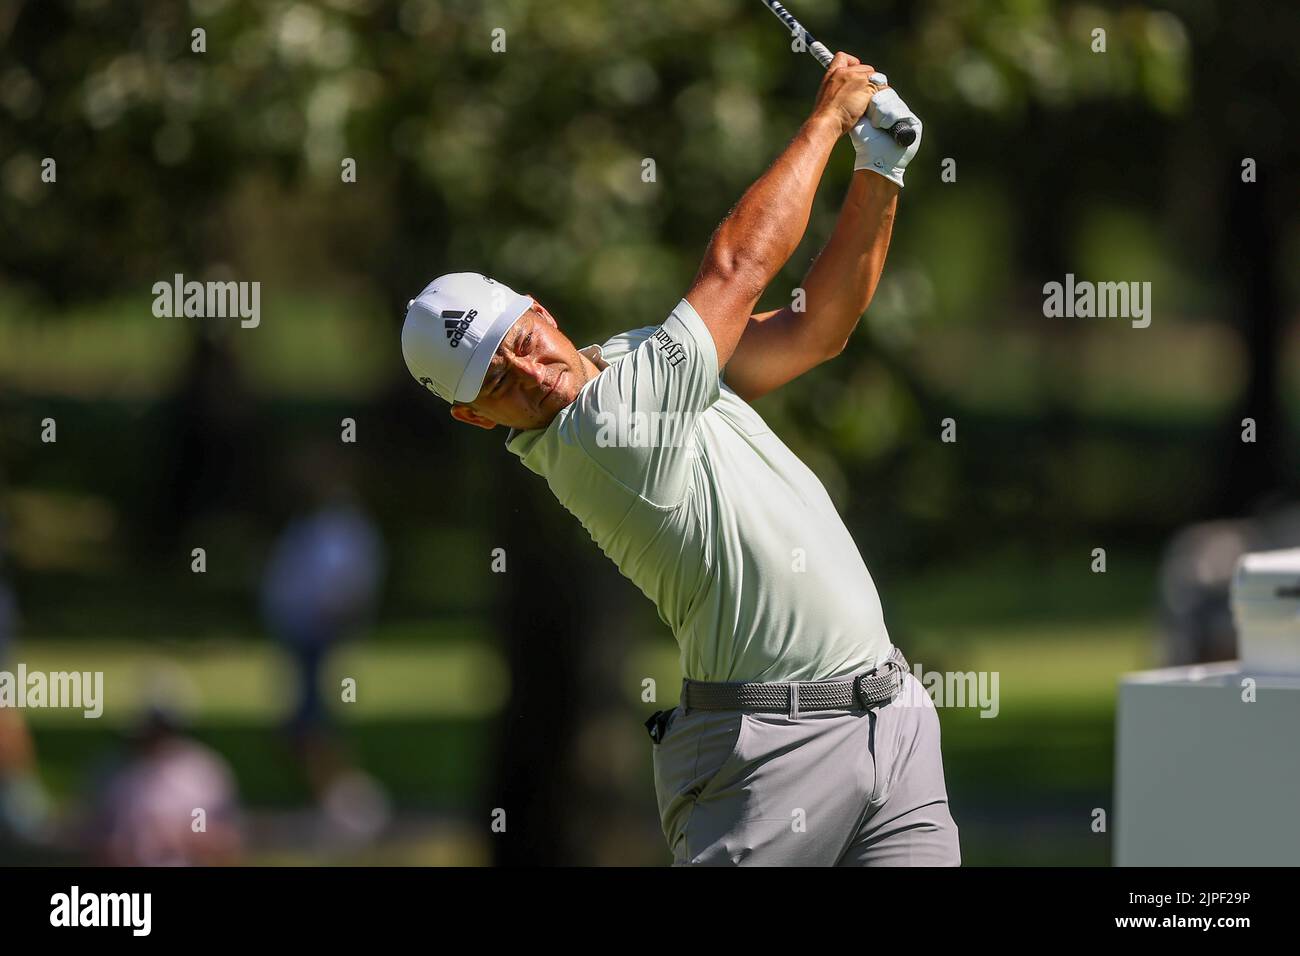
point(1203, 778)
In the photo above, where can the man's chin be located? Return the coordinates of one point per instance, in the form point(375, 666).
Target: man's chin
point(551, 406)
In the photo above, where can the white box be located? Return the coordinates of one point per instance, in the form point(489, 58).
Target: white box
point(1203, 778)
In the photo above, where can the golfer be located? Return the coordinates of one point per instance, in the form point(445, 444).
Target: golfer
point(801, 737)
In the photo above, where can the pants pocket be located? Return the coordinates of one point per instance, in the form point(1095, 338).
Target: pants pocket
point(699, 750)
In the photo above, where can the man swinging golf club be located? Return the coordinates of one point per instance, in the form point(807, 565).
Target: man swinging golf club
point(801, 737)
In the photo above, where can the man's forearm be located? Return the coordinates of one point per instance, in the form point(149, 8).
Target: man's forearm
point(779, 346)
point(840, 285)
point(763, 230)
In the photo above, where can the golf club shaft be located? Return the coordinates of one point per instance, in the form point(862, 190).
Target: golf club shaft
point(902, 132)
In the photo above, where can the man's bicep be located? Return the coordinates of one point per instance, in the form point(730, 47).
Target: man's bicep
point(724, 301)
point(772, 351)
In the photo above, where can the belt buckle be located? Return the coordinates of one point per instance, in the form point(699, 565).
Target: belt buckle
point(859, 684)
point(859, 689)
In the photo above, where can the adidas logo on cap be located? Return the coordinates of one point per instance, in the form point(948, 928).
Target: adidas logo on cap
point(457, 323)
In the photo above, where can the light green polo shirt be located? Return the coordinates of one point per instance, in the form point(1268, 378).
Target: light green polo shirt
point(682, 484)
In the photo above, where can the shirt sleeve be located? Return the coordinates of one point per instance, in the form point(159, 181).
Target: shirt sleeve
point(639, 418)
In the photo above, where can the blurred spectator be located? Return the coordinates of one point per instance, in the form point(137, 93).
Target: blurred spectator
point(320, 589)
point(24, 804)
point(1196, 579)
point(145, 813)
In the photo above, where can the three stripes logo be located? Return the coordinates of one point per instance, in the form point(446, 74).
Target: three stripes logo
point(457, 323)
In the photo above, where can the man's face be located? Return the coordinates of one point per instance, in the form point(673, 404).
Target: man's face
point(535, 372)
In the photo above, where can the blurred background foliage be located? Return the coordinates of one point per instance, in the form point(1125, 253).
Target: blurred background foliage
point(526, 164)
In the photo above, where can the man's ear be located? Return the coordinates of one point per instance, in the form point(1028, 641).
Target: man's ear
point(466, 414)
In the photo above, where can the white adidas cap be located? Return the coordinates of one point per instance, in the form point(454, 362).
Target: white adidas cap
point(453, 328)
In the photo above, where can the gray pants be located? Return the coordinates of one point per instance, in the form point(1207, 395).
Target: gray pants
point(830, 788)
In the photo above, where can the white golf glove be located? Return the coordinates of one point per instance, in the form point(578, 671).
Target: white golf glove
point(876, 149)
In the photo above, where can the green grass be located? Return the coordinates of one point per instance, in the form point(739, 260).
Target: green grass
point(243, 681)
point(304, 345)
point(425, 764)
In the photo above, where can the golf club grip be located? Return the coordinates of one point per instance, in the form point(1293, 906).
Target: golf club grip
point(904, 133)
